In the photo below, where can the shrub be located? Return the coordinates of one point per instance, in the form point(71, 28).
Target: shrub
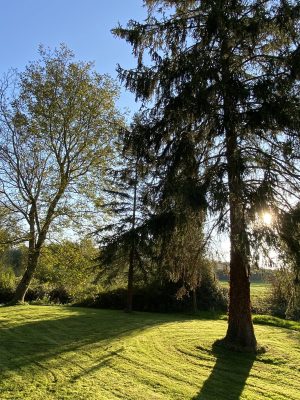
point(161, 297)
point(7, 285)
point(285, 295)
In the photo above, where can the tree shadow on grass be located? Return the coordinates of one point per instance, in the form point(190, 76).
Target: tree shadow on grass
point(57, 334)
point(66, 347)
point(36, 340)
point(228, 377)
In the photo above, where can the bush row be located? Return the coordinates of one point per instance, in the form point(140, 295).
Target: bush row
point(56, 295)
point(161, 298)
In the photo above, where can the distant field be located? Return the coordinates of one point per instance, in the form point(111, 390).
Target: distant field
point(259, 291)
point(62, 353)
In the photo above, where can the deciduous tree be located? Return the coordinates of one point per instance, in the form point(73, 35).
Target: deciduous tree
point(57, 122)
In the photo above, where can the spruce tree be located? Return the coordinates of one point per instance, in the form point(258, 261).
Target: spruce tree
point(120, 238)
point(223, 76)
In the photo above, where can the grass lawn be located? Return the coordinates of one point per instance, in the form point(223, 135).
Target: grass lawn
point(49, 352)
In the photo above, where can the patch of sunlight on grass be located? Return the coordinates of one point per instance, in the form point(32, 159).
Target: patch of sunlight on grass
point(274, 321)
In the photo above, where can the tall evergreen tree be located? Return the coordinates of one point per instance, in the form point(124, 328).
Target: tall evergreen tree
point(223, 78)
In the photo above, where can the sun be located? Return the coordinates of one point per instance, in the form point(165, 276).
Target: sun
point(267, 218)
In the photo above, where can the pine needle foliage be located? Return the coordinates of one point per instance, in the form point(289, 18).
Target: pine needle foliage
point(223, 81)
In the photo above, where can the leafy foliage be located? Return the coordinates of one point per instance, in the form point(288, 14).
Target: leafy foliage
point(68, 266)
point(286, 282)
point(57, 133)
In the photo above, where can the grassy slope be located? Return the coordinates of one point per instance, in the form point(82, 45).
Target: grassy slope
point(75, 353)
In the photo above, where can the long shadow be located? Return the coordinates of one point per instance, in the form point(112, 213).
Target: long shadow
point(228, 377)
point(30, 342)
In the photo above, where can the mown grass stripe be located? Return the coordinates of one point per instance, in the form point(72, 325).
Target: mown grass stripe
point(70, 353)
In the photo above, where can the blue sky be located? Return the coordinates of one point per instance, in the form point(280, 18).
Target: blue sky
point(83, 25)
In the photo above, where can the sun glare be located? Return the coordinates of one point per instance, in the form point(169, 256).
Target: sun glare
point(267, 218)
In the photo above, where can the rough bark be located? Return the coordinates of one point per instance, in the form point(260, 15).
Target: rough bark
point(240, 331)
point(24, 284)
point(35, 243)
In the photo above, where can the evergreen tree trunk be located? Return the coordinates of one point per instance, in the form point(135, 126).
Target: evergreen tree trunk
point(132, 250)
point(240, 331)
point(130, 283)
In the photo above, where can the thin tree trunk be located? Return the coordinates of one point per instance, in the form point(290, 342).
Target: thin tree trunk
point(32, 260)
point(132, 250)
point(35, 244)
point(130, 282)
point(240, 331)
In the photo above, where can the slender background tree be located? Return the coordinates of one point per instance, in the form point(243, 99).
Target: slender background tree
point(120, 239)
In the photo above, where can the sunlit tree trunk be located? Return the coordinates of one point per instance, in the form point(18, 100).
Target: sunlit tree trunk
point(35, 244)
point(24, 284)
point(32, 260)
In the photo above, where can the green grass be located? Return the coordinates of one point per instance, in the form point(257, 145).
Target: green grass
point(74, 353)
point(259, 290)
point(274, 321)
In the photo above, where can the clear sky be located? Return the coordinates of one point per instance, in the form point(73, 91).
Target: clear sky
point(83, 25)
